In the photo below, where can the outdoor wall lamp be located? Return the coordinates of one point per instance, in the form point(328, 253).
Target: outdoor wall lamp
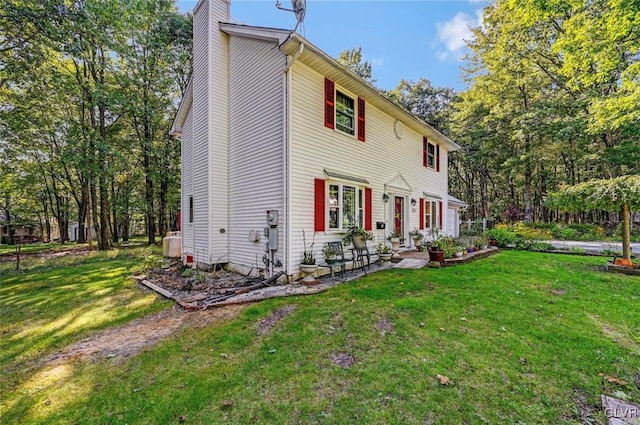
point(385, 198)
point(413, 202)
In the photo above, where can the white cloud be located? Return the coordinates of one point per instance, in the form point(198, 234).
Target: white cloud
point(452, 34)
point(377, 62)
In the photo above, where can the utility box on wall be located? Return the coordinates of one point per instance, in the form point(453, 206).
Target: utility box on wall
point(272, 222)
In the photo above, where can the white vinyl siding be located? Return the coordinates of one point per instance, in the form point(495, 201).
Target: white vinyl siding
point(187, 183)
point(315, 147)
point(256, 182)
point(200, 190)
point(218, 124)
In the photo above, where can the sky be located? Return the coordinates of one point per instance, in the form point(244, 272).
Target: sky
point(402, 39)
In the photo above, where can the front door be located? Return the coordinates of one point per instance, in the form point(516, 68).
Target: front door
point(398, 214)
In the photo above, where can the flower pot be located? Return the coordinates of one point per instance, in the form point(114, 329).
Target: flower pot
point(331, 260)
point(395, 243)
point(436, 256)
point(309, 270)
point(359, 241)
point(385, 257)
point(459, 254)
point(493, 242)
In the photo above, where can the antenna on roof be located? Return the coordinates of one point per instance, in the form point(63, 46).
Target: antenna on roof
point(298, 7)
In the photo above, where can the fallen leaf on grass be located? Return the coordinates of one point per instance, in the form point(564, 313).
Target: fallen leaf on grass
point(612, 379)
point(444, 380)
point(464, 319)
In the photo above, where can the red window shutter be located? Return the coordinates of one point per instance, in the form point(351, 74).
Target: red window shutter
point(367, 209)
point(425, 146)
point(438, 160)
point(421, 218)
point(361, 119)
point(440, 213)
point(329, 103)
point(319, 202)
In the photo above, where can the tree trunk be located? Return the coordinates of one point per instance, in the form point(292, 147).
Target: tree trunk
point(82, 218)
point(90, 226)
point(162, 214)
point(114, 212)
point(626, 232)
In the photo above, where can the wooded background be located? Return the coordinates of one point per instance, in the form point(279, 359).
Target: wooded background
point(90, 88)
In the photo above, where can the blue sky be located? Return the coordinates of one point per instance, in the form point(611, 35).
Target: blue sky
point(402, 39)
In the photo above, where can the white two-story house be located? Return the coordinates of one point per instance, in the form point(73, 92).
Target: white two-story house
point(271, 123)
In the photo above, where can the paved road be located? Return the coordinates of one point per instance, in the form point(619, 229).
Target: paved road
point(595, 246)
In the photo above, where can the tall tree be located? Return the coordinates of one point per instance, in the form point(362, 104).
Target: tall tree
point(353, 59)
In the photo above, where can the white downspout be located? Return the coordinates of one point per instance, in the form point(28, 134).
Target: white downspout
point(286, 158)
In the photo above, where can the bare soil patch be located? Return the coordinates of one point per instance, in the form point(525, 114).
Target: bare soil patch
point(384, 326)
point(266, 325)
point(343, 360)
point(129, 339)
point(585, 412)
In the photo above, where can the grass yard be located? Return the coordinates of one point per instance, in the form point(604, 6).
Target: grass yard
point(33, 248)
point(521, 336)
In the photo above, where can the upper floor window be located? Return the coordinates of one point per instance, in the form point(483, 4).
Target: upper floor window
point(430, 154)
point(344, 113)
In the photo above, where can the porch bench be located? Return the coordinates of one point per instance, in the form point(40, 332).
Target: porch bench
point(361, 258)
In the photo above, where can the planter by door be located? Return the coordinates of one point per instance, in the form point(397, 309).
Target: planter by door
point(395, 244)
point(436, 256)
point(385, 257)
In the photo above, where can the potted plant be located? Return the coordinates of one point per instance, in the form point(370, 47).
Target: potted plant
point(357, 236)
point(384, 251)
point(436, 254)
point(417, 236)
point(308, 263)
point(459, 251)
point(482, 242)
point(330, 254)
point(394, 238)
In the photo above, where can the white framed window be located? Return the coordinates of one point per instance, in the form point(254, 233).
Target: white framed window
point(345, 113)
point(431, 214)
point(345, 206)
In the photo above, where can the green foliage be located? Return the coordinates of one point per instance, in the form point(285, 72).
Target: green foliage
point(357, 231)
point(188, 272)
point(604, 194)
point(88, 86)
point(308, 257)
point(352, 59)
point(503, 236)
point(431, 104)
point(151, 260)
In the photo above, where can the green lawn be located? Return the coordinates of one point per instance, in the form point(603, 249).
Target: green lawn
point(523, 336)
point(33, 248)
